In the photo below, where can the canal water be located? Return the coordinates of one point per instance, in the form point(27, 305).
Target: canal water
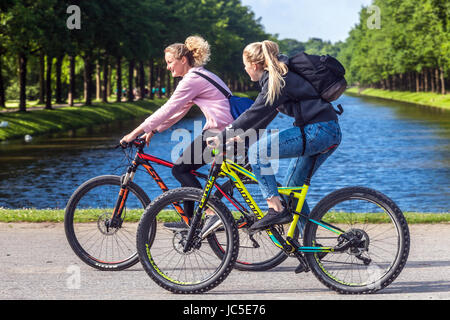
point(402, 150)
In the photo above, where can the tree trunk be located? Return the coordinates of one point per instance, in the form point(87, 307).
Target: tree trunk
point(88, 79)
point(136, 80)
point(119, 79)
point(109, 84)
point(105, 81)
point(417, 81)
point(410, 85)
point(429, 76)
point(97, 81)
point(425, 78)
point(151, 79)
point(2, 87)
point(443, 90)
point(58, 66)
point(436, 80)
point(433, 82)
point(141, 81)
point(85, 80)
point(158, 70)
point(22, 81)
point(48, 83)
point(41, 77)
point(163, 80)
point(71, 94)
point(130, 80)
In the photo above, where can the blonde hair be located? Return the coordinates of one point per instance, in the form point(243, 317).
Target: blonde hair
point(195, 49)
point(265, 54)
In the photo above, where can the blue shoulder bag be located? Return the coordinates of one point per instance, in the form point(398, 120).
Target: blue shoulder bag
point(237, 104)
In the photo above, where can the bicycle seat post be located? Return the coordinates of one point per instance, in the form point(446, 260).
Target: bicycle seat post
point(311, 170)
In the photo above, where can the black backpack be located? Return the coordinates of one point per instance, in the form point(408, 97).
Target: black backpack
point(325, 73)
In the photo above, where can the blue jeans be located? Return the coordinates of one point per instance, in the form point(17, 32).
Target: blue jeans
point(319, 137)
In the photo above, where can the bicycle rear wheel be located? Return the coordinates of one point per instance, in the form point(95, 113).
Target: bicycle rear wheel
point(161, 248)
point(85, 222)
point(372, 248)
point(257, 251)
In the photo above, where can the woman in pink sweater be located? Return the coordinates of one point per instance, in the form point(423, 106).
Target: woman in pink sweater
point(182, 60)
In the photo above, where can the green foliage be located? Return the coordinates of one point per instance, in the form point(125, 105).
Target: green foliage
point(413, 38)
point(136, 30)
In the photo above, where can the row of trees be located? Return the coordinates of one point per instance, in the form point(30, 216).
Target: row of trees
point(121, 42)
point(408, 50)
point(120, 45)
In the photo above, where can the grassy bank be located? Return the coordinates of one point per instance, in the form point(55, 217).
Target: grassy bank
point(422, 98)
point(39, 122)
point(57, 215)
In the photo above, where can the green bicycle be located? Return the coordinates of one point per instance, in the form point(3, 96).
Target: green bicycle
point(356, 240)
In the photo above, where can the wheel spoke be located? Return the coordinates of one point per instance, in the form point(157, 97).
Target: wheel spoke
point(86, 218)
point(376, 239)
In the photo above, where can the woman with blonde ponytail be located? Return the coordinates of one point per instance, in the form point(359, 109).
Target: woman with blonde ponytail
point(314, 131)
point(187, 60)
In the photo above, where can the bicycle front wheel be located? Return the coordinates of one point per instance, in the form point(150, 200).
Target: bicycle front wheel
point(369, 240)
point(86, 223)
point(162, 251)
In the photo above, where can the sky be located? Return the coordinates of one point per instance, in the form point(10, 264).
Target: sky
point(303, 19)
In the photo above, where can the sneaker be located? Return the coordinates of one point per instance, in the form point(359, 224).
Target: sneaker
point(211, 224)
point(272, 217)
point(176, 226)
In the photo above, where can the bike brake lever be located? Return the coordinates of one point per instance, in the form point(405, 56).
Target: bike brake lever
point(121, 146)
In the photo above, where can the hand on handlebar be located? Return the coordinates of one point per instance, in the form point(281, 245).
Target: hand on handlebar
point(125, 141)
point(130, 138)
point(147, 136)
point(218, 147)
point(213, 142)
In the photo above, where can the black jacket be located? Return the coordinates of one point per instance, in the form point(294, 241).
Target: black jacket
point(298, 99)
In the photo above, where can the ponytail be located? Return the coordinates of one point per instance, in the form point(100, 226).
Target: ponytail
point(276, 70)
point(266, 54)
point(199, 49)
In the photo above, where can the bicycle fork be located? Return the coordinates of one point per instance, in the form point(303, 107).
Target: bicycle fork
point(115, 221)
point(196, 219)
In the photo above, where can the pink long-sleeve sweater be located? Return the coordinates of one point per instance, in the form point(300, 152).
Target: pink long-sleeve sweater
point(193, 89)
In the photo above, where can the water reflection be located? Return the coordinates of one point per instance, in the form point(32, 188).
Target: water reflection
point(402, 150)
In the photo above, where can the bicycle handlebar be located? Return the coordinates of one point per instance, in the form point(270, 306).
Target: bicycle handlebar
point(138, 142)
point(223, 149)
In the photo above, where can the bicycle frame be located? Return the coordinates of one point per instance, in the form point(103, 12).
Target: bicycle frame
point(145, 160)
point(230, 169)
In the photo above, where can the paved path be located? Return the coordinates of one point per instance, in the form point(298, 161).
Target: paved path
point(36, 262)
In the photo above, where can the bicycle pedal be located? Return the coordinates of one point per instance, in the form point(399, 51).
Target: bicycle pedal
point(300, 268)
point(303, 266)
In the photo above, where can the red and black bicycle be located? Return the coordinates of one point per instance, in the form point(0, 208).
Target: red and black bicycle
point(102, 214)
